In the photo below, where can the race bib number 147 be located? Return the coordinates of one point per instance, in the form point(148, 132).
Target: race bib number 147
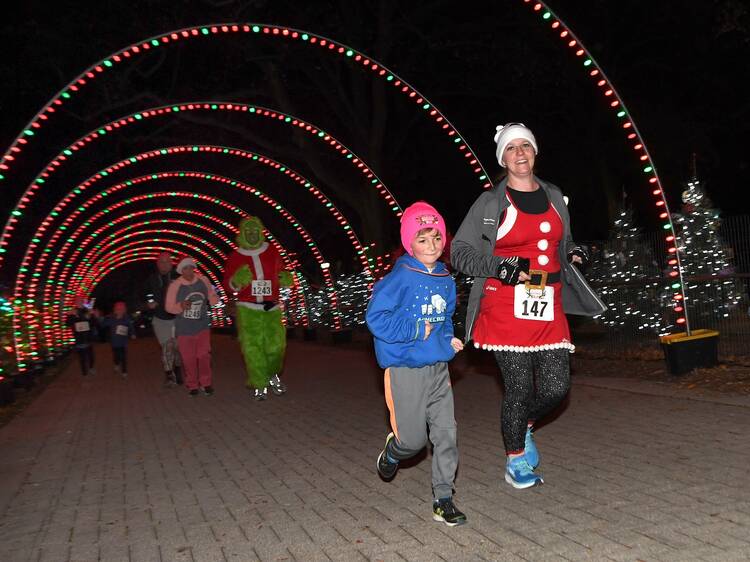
point(528, 307)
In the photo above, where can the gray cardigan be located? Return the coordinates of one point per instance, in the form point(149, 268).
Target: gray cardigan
point(473, 246)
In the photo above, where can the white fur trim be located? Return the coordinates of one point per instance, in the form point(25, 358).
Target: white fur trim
point(511, 214)
point(527, 349)
point(262, 248)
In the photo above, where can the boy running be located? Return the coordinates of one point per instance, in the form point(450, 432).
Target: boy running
point(410, 317)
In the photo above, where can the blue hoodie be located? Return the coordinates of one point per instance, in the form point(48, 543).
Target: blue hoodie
point(401, 303)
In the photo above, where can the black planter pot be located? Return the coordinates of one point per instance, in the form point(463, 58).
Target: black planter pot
point(684, 353)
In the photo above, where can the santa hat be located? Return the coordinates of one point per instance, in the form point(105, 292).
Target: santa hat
point(185, 262)
point(509, 132)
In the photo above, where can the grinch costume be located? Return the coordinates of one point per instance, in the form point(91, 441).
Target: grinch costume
point(254, 274)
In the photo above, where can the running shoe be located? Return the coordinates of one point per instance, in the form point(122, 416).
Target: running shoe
point(386, 469)
point(277, 387)
point(519, 474)
point(446, 512)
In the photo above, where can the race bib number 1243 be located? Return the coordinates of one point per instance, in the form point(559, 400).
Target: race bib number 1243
point(262, 288)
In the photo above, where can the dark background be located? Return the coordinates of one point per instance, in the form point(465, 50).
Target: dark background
point(680, 67)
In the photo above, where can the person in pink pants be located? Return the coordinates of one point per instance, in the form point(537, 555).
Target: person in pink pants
point(189, 297)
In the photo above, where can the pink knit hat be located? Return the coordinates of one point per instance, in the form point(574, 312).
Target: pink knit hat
point(416, 217)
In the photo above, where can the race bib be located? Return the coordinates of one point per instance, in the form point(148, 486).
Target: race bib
point(121, 330)
point(82, 326)
point(194, 311)
point(261, 288)
point(534, 304)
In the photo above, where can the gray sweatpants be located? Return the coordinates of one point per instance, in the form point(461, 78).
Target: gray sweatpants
point(164, 332)
point(417, 399)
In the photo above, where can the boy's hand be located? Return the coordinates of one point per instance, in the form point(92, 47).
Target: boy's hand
point(457, 344)
point(427, 329)
point(185, 304)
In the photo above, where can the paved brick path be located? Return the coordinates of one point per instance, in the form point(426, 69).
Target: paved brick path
point(113, 470)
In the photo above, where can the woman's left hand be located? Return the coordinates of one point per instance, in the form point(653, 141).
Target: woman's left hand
point(457, 344)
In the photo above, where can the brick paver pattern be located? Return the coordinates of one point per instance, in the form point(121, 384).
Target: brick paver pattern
point(124, 470)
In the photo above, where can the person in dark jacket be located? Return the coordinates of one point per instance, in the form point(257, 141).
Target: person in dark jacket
point(120, 330)
point(82, 321)
point(163, 321)
point(516, 243)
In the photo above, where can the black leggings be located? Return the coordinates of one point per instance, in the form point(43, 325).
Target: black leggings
point(522, 403)
point(86, 359)
point(120, 357)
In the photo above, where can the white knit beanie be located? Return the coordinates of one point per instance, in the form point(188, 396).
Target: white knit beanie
point(511, 131)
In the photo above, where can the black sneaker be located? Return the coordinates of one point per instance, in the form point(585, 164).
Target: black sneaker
point(444, 511)
point(193, 393)
point(208, 390)
point(386, 469)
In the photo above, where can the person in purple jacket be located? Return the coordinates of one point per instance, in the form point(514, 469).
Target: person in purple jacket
point(410, 317)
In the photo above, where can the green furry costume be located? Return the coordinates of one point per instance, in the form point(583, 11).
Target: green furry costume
point(254, 273)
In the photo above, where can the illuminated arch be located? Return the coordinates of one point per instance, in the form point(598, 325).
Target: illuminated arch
point(317, 255)
point(174, 248)
point(344, 51)
point(216, 257)
point(635, 139)
point(60, 284)
point(297, 178)
point(304, 37)
point(80, 246)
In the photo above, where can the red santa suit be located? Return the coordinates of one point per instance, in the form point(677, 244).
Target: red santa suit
point(514, 318)
point(265, 264)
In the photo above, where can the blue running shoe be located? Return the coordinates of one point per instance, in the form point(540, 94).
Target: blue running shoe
point(530, 451)
point(519, 474)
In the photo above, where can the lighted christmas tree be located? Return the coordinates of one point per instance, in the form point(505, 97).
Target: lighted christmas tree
point(626, 277)
point(704, 255)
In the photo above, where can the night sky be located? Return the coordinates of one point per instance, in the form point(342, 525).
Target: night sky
point(680, 67)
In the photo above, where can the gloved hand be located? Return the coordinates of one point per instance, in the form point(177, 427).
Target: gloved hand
point(581, 253)
point(286, 279)
point(242, 277)
point(510, 268)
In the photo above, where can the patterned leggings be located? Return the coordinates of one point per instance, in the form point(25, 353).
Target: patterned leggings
point(524, 404)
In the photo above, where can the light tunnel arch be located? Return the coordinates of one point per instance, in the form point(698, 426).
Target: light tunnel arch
point(78, 248)
point(310, 243)
point(321, 198)
point(303, 37)
point(60, 285)
point(636, 141)
point(154, 249)
point(547, 15)
point(117, 258)
point(252, 110)
point(155, 237)
point(53, 329)
point(78, 269)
